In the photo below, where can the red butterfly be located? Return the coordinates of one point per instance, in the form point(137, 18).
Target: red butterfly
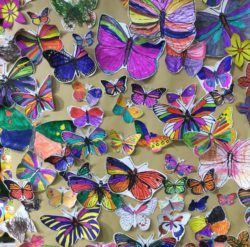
point(139, 183)
point(244, 81)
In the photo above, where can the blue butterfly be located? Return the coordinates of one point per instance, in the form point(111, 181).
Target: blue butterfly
point(199, 205)
point(67, 66)
point(86, 40)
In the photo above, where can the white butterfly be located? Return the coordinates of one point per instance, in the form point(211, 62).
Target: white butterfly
point(174, 203)
point(136, 216)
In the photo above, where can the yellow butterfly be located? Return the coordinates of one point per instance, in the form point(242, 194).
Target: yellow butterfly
point(119, 144)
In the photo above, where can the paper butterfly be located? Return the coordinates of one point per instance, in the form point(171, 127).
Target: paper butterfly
point(90, 143)
point(87, 93)
point(136, 216)
point(244, 108)
point(148, 98)
point(19, 192)
point(226, 199)
point(153, 141)
point(220, 75)
point(228, 161)
point(67, 66)
point(198, 205)
point(118, 48)
point(62, 162)
point(116, 87)
point(139, 183)
point(33, 44)
point(86, 40)
point(212, 2)
point(126, 110)
point(19, 78)
point(123, 240)
point(61, 197)
point(33, 205)
point(220, 132)
point(35, 241)
point(102, 245)
point(36, 102)
point(244, 81)
point(175, 203)
point(178, 187)
point(80, 225)
point(221, 98)
point(18, 226)
point(206, 184)
point(91, 193)
point(183, 118)
point(241, 240)
point(244, 198)
point(177, 166)
point(85, 116)
point(216, 26)
point(120, 144)
point(30, 169)
point(173, 223)
point(164, 19)
point(191, 59)
point(39, 19)
point(7, 209)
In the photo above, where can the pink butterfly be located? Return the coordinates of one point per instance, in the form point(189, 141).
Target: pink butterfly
point(148, 98)
point(226, 199)
point(86, 116)
point(102, 245)
point(37, 102)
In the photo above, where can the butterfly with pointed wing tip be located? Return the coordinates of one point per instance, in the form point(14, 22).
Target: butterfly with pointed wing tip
point(116, 87)
point(39, 19)
point(198, 205)
point(241, 240)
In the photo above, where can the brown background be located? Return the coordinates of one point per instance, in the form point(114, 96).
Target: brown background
point(109, 222)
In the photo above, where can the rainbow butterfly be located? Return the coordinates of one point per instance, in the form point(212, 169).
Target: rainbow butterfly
point(32, 44)
point(35, 103)
point(38, 19)
point(30, 169)
point(74, 226)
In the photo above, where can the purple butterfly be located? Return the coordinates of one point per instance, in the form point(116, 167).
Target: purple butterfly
point(116, 87)
point(93, 95)
point(147, 98)
point(177, 166)
point(244, 108)
point(211, 77)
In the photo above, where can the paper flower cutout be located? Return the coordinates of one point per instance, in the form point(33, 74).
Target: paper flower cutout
point(9, 12)
point(240, 50)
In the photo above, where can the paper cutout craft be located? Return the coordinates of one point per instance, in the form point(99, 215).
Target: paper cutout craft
point(41, 18)
point(174, 203)
point(30, 169)
point(19, 225)
point(123, 240)
point(191, 59)
point(241, 240)
point(149, 98)
point(206, 184)
point(216, 26)
point(244, 81)
point(7, 210)
point(102, 245)
point(33, 205)
point(90, 143)
point(228, 161)
point(5, 164)
point(151, 140)
point(10, 13)
point(221, 98)
point(116, 87)
point(212, 3)
point(36, 102)
point(35, 241)
point(86, 40)
point(190, 245)
point(180, 117)
point(61, 197)
point(139, 183)
point(124, 145)
point(33, 44)
point(173, 23)
point(219, 75)
point(91, 193)
point(178, 187)
point(244, 196)
point(19, 192)
point(244, 107)
point(198, 205)
point(126, 110)
point(221, 132)
point(67, 66)
point(173, 223)
point(19, 78)
point(86, 116)
point(9, 51)
point(72, 227)
point(137, 216)
point(118, 48)
point(178, 166)
point(226, 199)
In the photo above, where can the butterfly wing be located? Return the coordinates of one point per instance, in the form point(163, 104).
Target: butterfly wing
point(164, 242)
point(79, 91)
point(112, 89)
point(244, 81)
point(55, 197)
point(127, 217)
point(93, 96)
point(139, 95)
point(95, 116)
point(69, 199)
point(123, 240)
point(97, 146)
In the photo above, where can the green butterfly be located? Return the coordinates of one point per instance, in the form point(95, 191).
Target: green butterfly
point(179, 187)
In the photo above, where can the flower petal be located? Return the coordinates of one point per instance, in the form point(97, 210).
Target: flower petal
point(231, 51)
point(7, 24)
point(21, 18)
point(236, 41)
point(239, 60)
point(16, 2)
